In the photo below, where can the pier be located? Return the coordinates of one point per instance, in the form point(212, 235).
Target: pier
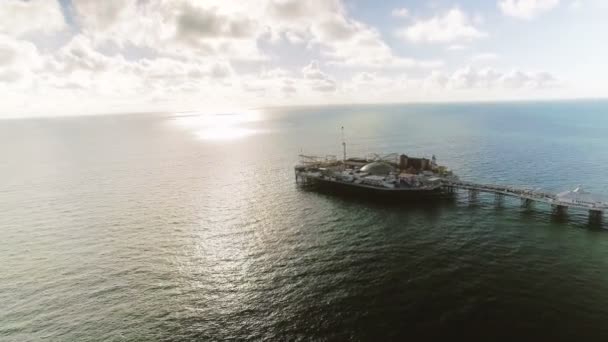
point(560, 202)
point(397, 175)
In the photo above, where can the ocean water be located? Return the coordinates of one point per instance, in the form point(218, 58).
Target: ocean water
point(189, 226)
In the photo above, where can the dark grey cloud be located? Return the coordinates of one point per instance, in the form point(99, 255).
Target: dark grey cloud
point(337, 29)
point(200, 23)
point(289, 9)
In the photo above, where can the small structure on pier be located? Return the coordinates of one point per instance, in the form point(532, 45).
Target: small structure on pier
point(378, 168)
point(579, 196)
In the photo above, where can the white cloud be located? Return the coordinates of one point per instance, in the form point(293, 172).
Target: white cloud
point(452, 26)
point(365, 48)
point(400, 12)
point(576, 4)
point(318, 80)
point(373, 82)
point(183, 54)
point(520, 79)
point(485, 57)
point(490, 78)
point(313, 72)
point(468, 77)
point(101, 15)
point(526, 9)
point(19, 60)
point(435, 80)
point(234, 30)
point(19, 17)
point(341, 39)
point(456, 47)
point(174, 27)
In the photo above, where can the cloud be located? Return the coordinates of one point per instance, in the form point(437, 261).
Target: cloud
point(344, 41)
point(19, 60)
point(526, 9)
point(296, 9)
point(520, 79)
point(18, 17)
point(400, 12)
point(435, 80)
point(79, 53)
point(456, 47)
point(451, 26)
point(235, 31)
point(273, 84)
point(373, 82)
point(183, 54)
point(313, 72)
point(485, 57)
point(177, 27)
point(100, 15)
point(490, 78)
point(196, 22)
point(576, 4)
point(318, 80)
point(466, 78)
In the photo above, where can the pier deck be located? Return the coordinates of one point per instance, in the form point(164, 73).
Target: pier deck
point(553, 199)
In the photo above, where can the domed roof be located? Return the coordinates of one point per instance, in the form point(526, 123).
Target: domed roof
point(378, 168)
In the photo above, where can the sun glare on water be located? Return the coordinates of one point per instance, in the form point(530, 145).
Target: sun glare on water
point(224, 133)
point(219, 127)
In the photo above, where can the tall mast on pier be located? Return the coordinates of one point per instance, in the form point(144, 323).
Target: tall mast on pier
point(343, 146)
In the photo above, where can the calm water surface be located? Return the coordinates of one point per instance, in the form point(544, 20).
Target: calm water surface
point(168, 227)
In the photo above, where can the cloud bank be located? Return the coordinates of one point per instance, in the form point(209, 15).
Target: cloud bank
point(89, 56)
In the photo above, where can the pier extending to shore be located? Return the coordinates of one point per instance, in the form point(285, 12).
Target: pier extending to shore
point(577, 198)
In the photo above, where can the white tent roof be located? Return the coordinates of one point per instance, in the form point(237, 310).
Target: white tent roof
point(579, 194)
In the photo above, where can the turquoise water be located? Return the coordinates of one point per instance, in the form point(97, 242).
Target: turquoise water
point(190, 227)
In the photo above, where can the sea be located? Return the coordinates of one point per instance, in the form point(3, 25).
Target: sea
point(189, 226)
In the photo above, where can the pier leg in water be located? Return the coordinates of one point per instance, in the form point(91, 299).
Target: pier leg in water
point(499, 200)
point(473, 196)
point(526, 203)
point(559, 213)
point(559, 210)
point(595, 218)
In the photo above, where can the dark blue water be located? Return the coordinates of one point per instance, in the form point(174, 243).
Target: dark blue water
point(163, 227)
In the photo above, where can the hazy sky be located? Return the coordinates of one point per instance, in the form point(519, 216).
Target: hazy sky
point(93, 56)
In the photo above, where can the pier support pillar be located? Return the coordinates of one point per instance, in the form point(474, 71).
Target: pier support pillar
point(301, 180)
point(473, 194)
point(499, 199)
point(595, 216)
point(451, 189)
point(526, 203)
point(559, 209)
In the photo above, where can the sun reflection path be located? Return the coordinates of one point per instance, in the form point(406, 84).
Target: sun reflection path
point(219, 127)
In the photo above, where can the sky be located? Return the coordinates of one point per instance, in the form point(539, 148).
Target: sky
point(69, 57)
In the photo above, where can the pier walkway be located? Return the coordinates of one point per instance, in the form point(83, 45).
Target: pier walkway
point(571, 199)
